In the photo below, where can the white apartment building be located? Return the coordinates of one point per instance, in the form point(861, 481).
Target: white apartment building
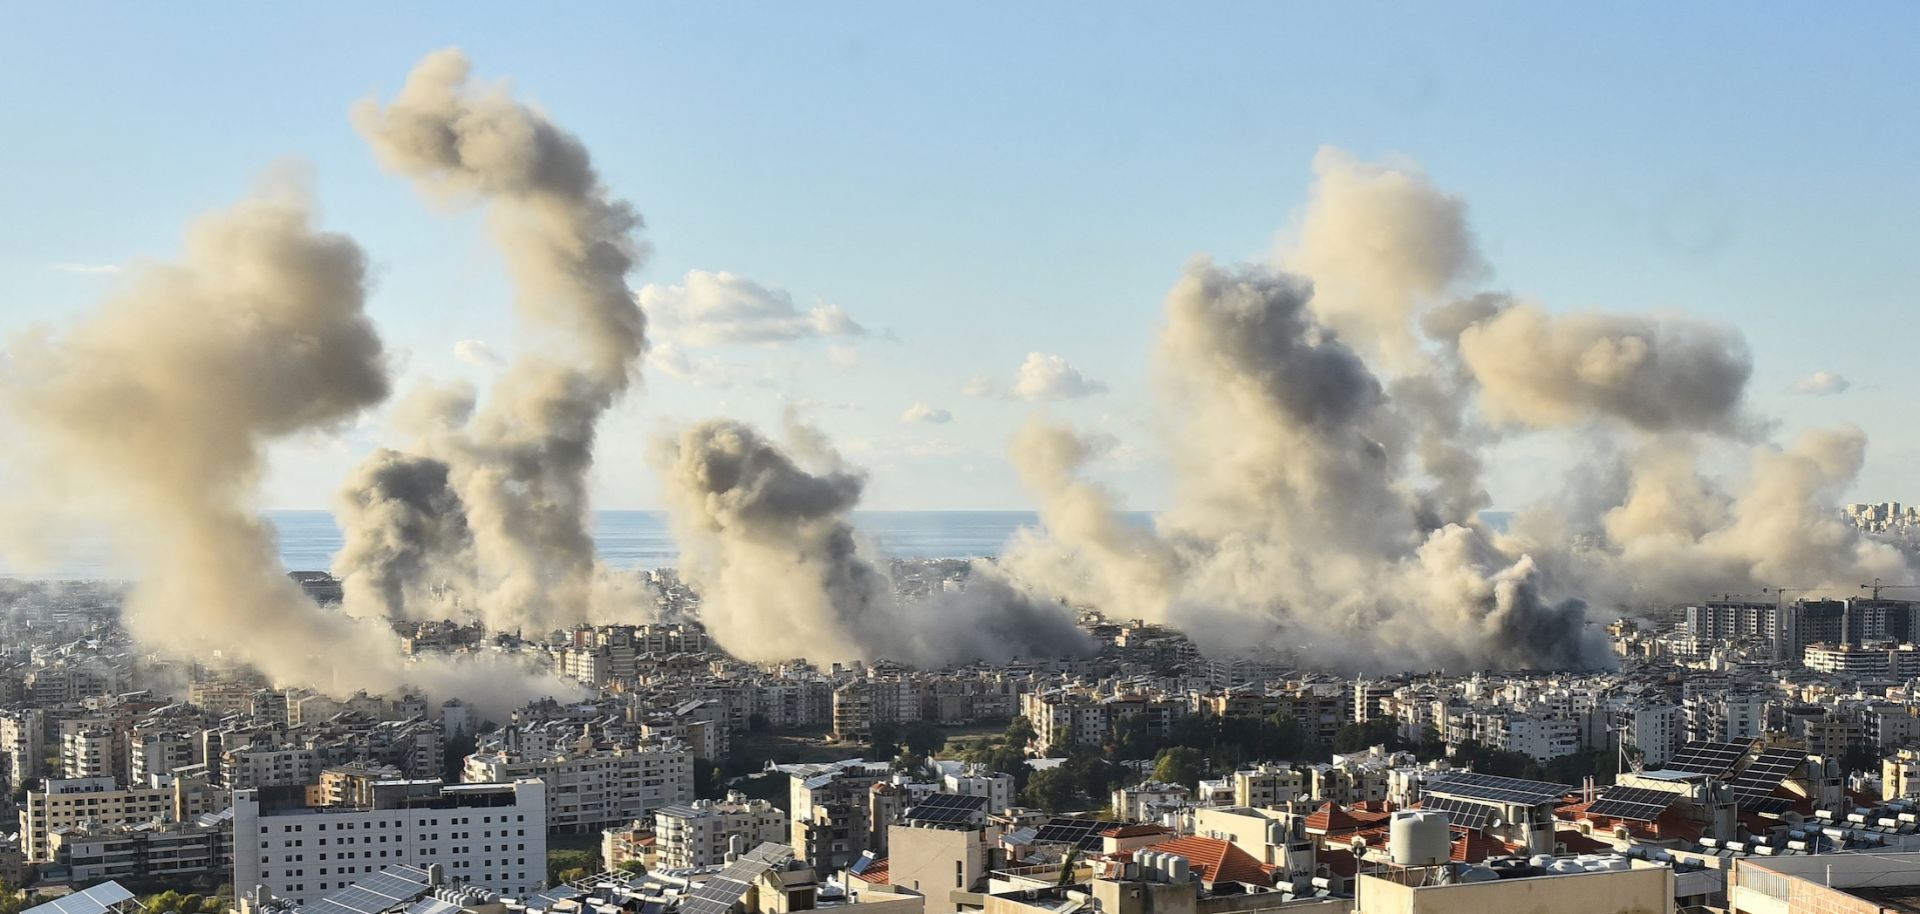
point(700, 833)
point(88, 752)
point(22, 741)
point(587, 791)
point(1267, 785)
point(157, 752)
point(86, 803)
point(1656, 730)
point(489, 835)
point(974, 781)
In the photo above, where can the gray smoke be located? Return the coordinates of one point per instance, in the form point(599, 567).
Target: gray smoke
point(157, 409)
point(769, 546)
point(520, 464)
point(1320, 507)
point(406, 540)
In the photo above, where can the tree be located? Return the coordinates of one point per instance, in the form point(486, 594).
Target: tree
point(1180, 765)
point(1051, 789)
point(633, 866)
point(1020, 733)
point(453, 759)
point(758, 723)
point(706, 779)
point(1381, 731)
point(884, 742)
point(922, 739)
point(1859, 758)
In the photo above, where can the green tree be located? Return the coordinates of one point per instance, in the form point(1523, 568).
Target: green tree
point(922, 739)
point(1860, 758)
point(1020, 733)
point(633, 866)
point(884, 742)
point(1360, 737)
point(1051, 789)
point(1180, 765)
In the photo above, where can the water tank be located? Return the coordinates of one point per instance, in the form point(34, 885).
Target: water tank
point(1419, 839)
point(1478, 874)
point(1178, 870)
point(1143, 862)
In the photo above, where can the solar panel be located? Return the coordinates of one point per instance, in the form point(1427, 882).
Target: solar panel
point(948, 809)
point(383, 891)
point(432, 905)
point(1765, 806)
point(729, 887)
point(1710, 758)
point(1494, 789)
point(1641, 804)
point(1462, 813)
point(1773, 766)
point(97, 900)
point(1061, 830)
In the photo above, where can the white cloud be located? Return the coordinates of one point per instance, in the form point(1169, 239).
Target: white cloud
point(721, 309)
point(91, 269)
point(921, 412)
point(478, 354)
point(1822, 384)
point(1050, 377)
point(700, 371)
point(980, 386)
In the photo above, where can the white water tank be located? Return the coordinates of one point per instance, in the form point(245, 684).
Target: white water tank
point(1419, 839)
point(1178, 870)
point(1146, 861)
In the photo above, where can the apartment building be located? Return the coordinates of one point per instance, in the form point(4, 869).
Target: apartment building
point(86, 803)
point(595, 786)
point(701, 833)
point(488, 835)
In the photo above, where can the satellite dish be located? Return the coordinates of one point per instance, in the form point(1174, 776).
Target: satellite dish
point(1495, 822)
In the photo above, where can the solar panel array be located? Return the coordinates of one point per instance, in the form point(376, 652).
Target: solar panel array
point(97, 900)
point(383, 891)
point(1082, 832)
point(1462, 813)
point(1710, 758)
point(1641, 804)
point(948, 809)
point(1765, 806)
point(730, 886)
point(1495, 789)
point(1767, 771)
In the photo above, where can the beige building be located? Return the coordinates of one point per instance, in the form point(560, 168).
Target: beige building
point(947, 865)
point(1268, 785)
point(86, 803)
point(1646, 888)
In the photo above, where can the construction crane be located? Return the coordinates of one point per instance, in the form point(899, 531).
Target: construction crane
point(1876, 587)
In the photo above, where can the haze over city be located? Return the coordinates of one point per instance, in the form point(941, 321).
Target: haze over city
point(1111, 459)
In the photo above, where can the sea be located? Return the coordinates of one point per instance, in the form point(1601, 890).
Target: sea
point(307, 540)
point(625, 539)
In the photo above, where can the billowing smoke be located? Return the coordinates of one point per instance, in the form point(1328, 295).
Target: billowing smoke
point(406, 541)
point(157, 409)
point(1293, 524)
point(520, 463)
point(1654, 374)
point(1323, 504)
point(769, 546)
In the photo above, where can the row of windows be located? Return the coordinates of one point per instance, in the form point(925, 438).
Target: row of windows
point(349, 826)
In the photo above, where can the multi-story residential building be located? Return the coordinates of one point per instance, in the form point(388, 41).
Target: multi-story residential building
point(158, 752)
point(976, 781)
point(830, 809)
point(176, 853)
point(91, 752)
point(68, 803)
point(488, 835)
point(252, 767)
point(22, 745)
point(700, 833)
point(1656, 730)
point(596, 784)
point(1267, 786)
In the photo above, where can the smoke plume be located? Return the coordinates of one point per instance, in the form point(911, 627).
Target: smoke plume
point(405, 534)
point(520, 464)
point(769, 546)
point(1322, 503)
point(157, 409)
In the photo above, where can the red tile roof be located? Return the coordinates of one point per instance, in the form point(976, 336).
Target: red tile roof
point(876, 873)
point(1217, 860)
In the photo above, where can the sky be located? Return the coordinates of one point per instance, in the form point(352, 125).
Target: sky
point(942, 192)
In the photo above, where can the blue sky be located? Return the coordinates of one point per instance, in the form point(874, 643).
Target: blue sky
point(973, 183)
